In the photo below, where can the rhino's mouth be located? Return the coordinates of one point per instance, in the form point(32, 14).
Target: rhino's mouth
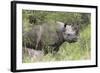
point(72, 41)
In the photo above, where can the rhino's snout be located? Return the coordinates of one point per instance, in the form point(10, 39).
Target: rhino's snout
point(71, 38)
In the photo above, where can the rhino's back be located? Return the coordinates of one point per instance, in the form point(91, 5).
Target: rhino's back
point(41, 35)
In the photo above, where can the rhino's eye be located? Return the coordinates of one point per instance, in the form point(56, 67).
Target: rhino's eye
point(75, 28)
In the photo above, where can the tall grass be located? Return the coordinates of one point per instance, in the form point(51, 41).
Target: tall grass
point(68, 51)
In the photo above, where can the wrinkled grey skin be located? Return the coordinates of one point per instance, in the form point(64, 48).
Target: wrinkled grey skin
point(49, 37)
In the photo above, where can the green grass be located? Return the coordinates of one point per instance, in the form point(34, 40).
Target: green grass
point(68, 51)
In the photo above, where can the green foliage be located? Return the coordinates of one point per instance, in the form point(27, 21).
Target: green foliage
point(68, 51)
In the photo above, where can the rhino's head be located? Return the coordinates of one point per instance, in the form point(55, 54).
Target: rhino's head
point(70, 32)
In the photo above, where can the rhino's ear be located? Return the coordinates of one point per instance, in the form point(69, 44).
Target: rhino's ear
point(65, 24)
point(78, 26)
point(64, 27)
